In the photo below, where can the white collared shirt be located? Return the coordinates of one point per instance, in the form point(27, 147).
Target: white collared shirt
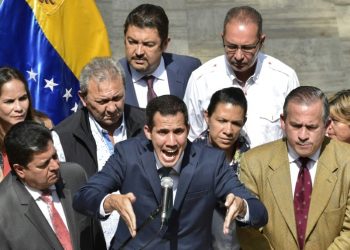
point(265, 92)
point(295, 166)
point(103, 152)
point(43, 206)
point(160, 84)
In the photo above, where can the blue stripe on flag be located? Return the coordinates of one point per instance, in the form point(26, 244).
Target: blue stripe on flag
point(24, 46)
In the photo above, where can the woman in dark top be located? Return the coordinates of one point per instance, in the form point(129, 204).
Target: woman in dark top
point(226, 116)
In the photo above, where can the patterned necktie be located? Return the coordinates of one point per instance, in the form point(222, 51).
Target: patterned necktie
point(302, 197)
point(60, 228)
point(150, 92)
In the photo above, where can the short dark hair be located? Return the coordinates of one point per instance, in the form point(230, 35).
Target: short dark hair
point(307, 95)
point(232, 95)
point(165, 105)
point(150, 16)
point(244, 14)
point(24, 139)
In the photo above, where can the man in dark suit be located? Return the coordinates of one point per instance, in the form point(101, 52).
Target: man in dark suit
point(201, 178)
point(146, 40)
point(25, 218)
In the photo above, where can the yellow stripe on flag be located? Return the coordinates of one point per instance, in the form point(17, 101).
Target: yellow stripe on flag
point(75, 29)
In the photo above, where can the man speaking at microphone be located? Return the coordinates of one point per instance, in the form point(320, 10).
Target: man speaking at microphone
point(201, 178)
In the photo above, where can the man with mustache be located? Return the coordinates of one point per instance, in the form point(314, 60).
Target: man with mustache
point(265, 80)
point(88, 136)
point(149, 71)
point(303, 179)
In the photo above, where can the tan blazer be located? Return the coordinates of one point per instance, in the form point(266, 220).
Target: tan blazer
point(265, 170)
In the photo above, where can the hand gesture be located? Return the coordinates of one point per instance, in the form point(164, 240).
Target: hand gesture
point(123, 204)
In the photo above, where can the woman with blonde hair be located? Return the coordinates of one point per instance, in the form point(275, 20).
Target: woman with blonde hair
point(15, 106)
point(339, 127)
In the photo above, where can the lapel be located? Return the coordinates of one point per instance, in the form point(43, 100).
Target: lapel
point(322, 190)
point(130, 94)
point(176, 86)
point(149, 167)
point(280, 182)
point(34, 215)
point(65, 197)
point(188, 166)
point(83, 132)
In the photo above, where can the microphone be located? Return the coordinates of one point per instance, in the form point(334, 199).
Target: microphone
point(167, 185)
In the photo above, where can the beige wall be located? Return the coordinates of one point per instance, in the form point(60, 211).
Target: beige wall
point(312, 36)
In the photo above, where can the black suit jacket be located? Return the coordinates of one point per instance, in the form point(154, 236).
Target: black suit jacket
point(78, 142)
point(205, 178)
point(22, 224)
point(178, 68)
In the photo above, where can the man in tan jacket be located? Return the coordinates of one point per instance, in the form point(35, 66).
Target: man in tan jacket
point(308, 203)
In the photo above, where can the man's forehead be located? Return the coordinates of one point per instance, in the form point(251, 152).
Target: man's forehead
point(159, 118)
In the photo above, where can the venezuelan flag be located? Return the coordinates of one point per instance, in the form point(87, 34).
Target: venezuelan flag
point(50, 41)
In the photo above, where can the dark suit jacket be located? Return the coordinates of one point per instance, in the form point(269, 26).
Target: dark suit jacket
point(22, 224)
point(205, 178)
point(178, 68)
point(78, 143)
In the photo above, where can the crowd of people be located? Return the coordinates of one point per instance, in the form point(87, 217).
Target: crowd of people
point(166, 153)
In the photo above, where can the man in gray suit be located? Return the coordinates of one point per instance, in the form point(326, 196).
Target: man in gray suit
point(27, 219)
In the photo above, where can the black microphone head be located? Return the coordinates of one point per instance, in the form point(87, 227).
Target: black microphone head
point(167, 182)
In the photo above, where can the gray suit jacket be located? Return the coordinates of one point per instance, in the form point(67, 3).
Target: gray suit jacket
point(22, 224)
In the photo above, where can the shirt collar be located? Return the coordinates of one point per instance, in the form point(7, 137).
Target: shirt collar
point(159, 73)
point(293, 156)
point(176, 167)
point(259, 61)
point(35, 193)
point(101, 130)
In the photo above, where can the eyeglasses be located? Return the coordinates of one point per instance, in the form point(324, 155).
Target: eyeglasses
point(232, 48)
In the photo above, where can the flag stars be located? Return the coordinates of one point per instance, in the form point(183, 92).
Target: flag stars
point(75, 108)
point(32, 75)
point(68, 94)
point(50, 84)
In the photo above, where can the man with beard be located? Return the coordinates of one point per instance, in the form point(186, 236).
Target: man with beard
point(200, 175)
point(149, 71)
point(265, 80)
point(103, 121)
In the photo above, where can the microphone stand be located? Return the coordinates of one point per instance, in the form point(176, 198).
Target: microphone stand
point(151, 217)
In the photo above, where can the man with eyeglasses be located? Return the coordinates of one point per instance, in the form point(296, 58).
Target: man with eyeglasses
point(265, 80)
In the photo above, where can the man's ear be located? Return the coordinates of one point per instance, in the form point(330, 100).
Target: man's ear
point(206, 117)
point(147, 132)
point(165, 44)
point(82, 98)
point(282, 120)
point(19, 170)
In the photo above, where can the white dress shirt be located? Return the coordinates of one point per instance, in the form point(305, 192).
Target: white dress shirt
point(44, 207)
point(160, 84)
point(265, 92)
point(295, 166)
